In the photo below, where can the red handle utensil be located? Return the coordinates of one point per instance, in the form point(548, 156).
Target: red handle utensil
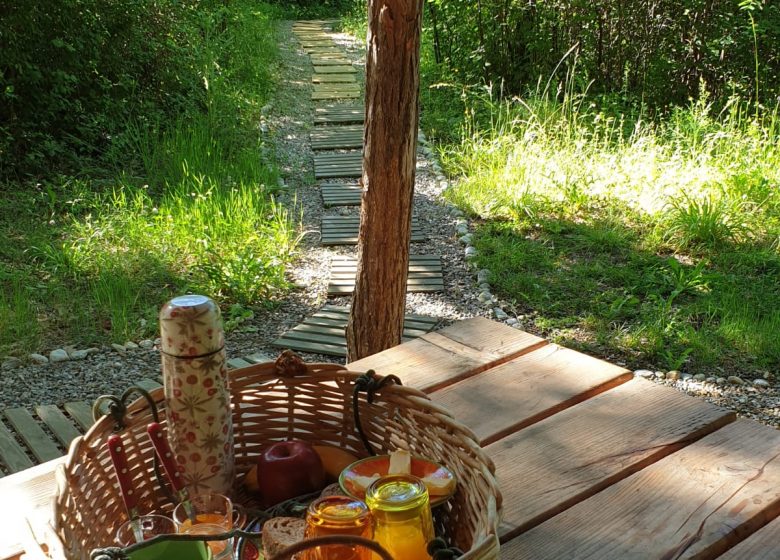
point(164, 453)
point(116, 449)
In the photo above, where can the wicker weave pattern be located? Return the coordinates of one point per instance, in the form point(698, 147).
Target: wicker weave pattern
point(267, 407)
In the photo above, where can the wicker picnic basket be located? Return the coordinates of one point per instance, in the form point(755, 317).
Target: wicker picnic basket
point(276, 401)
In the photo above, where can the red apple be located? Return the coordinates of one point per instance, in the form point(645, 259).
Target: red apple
point(288, 469)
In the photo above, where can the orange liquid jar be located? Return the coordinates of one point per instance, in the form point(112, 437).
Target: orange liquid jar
point(403, 524)
point(338, 515)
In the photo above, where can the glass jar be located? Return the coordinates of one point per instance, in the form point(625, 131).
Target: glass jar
point(338, 515)
point(403, 524)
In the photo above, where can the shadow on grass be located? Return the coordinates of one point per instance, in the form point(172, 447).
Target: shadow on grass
point(595, 286)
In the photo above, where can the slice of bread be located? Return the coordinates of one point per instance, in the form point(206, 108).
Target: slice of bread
point(332, 490)
point(281, 532)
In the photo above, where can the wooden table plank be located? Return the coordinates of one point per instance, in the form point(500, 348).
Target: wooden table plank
point(438, 359)
point(558, 462)
point(11, 453)
point(696, 503)
point(762, 545)
point(81, 412)
point(527, 389)
point(58, 423)
point(38, 441)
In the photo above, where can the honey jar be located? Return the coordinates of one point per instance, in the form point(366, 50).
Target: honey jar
point(338, 515)
point(403, 524)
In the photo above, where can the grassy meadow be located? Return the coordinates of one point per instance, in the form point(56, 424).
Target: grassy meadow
point(183, 204)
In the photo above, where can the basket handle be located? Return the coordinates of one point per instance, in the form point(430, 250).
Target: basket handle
point(306, 544)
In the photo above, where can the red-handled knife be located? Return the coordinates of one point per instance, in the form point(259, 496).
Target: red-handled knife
point(116, 449)
point(163, 449)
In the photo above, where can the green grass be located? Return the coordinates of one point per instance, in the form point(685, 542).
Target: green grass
point(190, 208)
point(657, 241)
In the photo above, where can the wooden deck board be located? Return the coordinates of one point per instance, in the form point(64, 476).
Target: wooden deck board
point(37, 441)
point(334, 69)
point(696, 503)
point(438, 359)
point(425, 275)
point(332, 60)
point(330, 339)
point(761, 545)
point(341, 194)
point(337, 138)
point(339, 114)
point(12, 456)
point(582, 450)
point(525, 390)
point(58, 423)
point(81, 412)
point(333, 78)
point(344, 230)
point(330, 95)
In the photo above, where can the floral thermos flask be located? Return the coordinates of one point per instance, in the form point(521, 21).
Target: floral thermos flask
point(197, 395)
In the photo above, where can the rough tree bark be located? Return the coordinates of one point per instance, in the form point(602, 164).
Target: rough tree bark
point(389, 159)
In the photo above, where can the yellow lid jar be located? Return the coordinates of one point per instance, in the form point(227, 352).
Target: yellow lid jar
point(402, 516)
point(338, 515)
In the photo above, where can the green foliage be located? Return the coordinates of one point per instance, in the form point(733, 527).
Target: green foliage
point(656, 52)
point(92, 258)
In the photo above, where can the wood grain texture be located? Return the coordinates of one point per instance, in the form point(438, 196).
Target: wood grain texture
point(527, 389)
point(761, 545)
point(334, 69)
point(12, 456)
point(58, 423)
point(37, 441)
point(696, 503)
point(456, 352)
point(81, 412)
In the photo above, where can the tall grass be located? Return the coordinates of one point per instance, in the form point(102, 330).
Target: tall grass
point(584, 202)
point(191, 209)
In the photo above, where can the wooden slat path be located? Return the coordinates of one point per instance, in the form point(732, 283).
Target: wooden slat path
point(425, 275)
point(343, 230)
point(761, 545)
point(337, 137)
point(339, 114)
point(332, 78)
point(592, 463)
point(334, 69)
point(330, 95)
point(323, 332)
point(319, 60)
point(696, 503)
point(341, 194)
point(27, 438)
point(331, 165)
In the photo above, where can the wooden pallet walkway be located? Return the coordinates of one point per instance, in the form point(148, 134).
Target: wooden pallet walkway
point(343, 230)
point(319, 95)
point(323, 332)
point(333, 78)
point(341, 194)
point(425, 275)
point(339, 114)
point(331, 165)
point(334, 69)
point(337, 137)
point(592, 462)
point(320, 60)
point(29, 437)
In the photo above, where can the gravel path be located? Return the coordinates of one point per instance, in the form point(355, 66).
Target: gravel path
point(286, 124)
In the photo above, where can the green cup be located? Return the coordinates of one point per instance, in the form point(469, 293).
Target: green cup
point(170, 550)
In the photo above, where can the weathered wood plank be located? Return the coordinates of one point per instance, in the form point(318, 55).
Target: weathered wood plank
point(339, 114)
point(37, 441)
point(527, 389)
point(148, 385)
point(591, 446)
point(323, 95)
point(425, 275)
point(237, 363)
point(340, 194)
point(762, 545)
point(333, 78)
point(81, 412)
point(58, 423)
point(11, 453)
point(334, 69)
point(329, 339)
point(258, 358)
point(695, 503)
point(324, 60)
point(341, 137)
point(343, 230)
point(451, 354)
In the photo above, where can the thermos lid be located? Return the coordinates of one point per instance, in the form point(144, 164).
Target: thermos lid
point(191, 326)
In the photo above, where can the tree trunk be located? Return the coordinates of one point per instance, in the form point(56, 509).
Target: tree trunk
point(389, 159)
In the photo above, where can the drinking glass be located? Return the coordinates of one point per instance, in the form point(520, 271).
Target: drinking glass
point(151, 526)
point(211, 514)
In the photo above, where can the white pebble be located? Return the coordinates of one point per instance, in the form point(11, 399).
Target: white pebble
point(58, 355)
